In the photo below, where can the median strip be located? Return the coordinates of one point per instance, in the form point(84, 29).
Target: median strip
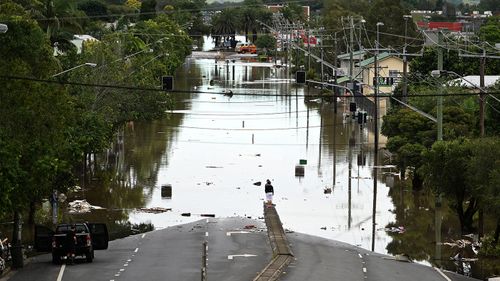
point(279, 243)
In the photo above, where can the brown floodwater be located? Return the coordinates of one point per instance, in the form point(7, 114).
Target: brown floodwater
point(214, 149)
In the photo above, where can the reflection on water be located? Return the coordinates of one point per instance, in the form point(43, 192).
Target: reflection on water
point(212, 148)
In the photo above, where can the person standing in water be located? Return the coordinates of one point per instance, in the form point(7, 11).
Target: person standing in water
point(269, 192)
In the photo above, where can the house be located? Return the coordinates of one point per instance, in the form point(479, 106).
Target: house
point(389, 66)
point(344, 59)
point(78, 41)
point(390, 70)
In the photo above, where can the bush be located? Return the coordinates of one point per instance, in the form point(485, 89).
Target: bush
point(488, 249)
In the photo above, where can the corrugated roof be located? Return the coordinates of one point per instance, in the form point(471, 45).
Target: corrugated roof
point(347, 55)
point(371, 60)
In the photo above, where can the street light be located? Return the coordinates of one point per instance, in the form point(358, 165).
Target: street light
point(405, 60)
point(78, 66)
point(3, 28)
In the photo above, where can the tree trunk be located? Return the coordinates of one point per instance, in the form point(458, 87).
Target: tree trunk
point(416, 182)
point(497, 233)
point(31, 215)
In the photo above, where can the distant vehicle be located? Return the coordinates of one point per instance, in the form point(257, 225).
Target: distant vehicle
point(238, 46)
point(89, 237)
point(249, 48)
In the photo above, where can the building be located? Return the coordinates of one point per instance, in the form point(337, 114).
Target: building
point(345, 62)
point(390, 70)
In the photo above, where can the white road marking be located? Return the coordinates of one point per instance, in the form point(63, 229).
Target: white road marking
point(236, 232)
point(207, 220)
point(122, 269)
point(129, 260)
point(442, 274)
point(126, 264)
point(61, 272)
point(136, 249)
point(206, 234)
point(117, 275)
point(144, 235)
point(230, 257)
point(364, 269)
point(360, 256)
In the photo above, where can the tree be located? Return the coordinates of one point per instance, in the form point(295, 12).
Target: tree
point(266, 41)
point(224, 25)
point(35, 118)
point(391, 14)
point(490, 31)
point(445, 171)
point(483, 176)
point(94, 8)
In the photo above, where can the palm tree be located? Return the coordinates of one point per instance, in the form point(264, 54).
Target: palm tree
point(224, 25)
point(60, 19)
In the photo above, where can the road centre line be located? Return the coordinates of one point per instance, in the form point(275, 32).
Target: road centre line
point(364, 269)
point(61, 272)
point(136, 249)
point(144, 235)
point(360, 256)
point(206, 233)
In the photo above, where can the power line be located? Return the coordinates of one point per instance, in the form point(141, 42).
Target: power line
point(10, 77)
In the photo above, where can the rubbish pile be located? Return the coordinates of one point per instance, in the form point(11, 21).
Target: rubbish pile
point(81, 207)
point(155, 210)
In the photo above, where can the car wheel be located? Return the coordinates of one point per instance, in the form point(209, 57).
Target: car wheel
point(56, 259)
point(89, 256)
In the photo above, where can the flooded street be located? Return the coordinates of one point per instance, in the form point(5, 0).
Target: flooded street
point(217, 150)
point(217, 147)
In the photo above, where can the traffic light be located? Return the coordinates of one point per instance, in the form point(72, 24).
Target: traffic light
point(167, 83)
point(352, 107)
point(300, 77)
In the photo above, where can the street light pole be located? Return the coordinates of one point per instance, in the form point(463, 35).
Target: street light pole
point(73, 68)
point(405, 61)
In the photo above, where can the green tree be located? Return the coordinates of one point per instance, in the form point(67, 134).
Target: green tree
point(36, 116)
point(445, 171)
point(483, 175)
point(490, 31)
point(224, 25)
point(266, 41)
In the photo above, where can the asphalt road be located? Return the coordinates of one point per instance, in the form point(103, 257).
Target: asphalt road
point(234, 253)
point(174, 253)
point(322, 259)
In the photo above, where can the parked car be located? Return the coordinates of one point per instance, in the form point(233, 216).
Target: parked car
point(88, 237)
point(238, 46)
point(249, 48)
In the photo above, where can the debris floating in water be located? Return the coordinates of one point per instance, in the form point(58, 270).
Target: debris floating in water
point(81, 207)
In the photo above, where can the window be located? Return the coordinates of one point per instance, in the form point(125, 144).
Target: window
point(393, 73)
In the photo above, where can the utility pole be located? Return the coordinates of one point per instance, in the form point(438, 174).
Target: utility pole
point(335, 95)
point(351, 50)
point(405, 62)
point(481, 94)
point(308, 48)
point(375, 156)
point(440, 97)
point(438, 218)
point(322, 60)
